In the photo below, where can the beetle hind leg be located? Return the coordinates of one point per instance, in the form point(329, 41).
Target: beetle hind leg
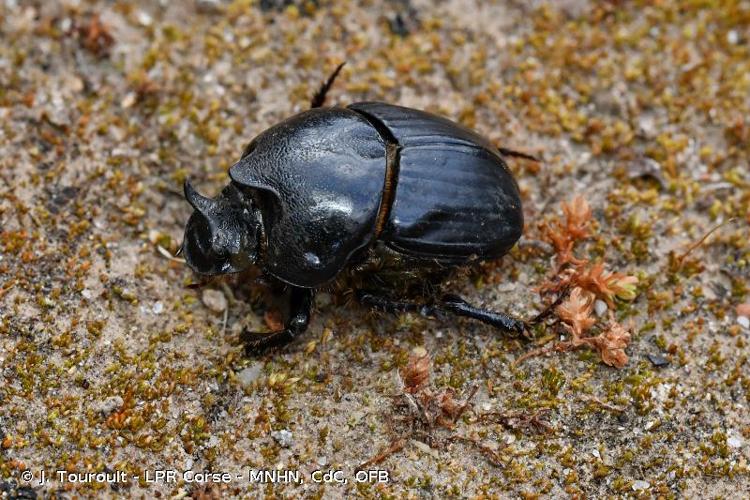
point(449, 304)
point(458, 306)
point(387, 304)
point(300, 303)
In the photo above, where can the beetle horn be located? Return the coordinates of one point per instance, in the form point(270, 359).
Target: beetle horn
point(201, 203)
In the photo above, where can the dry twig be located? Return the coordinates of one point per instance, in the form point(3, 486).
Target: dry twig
point(488, 452)
point(395, 446)
point(681, 258)
point(517, 421)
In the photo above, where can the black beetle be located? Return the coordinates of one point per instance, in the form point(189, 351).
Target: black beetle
point(391, 198)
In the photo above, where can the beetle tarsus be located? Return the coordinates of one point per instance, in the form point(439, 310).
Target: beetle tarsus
point(300, 303)
point(550, 308)
point(320, 96)
point(518, 154)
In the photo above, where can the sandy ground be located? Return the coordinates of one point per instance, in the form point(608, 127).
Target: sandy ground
point(110, 364)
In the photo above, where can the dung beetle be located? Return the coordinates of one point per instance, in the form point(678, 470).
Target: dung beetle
point(388, 199)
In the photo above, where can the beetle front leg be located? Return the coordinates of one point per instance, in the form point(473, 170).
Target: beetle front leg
point(300, 303)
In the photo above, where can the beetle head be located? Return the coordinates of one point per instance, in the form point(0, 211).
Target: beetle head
point(222, 234)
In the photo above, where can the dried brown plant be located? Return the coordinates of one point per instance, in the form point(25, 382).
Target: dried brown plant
point(575, 312)
point(564, 235)
point(416, 373)
point(605, 285)
point(589, 282)
point(95, 36)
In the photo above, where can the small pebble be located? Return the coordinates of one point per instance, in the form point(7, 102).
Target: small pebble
point(600, 307)
point(208, 6)
point(419, 351)
point(646, 167)
point(743, 321)
point(658, 360)
point(323, 300)
point(734, 442)
point(214, 300)
point(283, 437)
point(322, 460)
point(647, 127)
point(157, 308)
point(641, 485)
point(144, 18)
point(424, 448)
point(128, 100)
point(250, 374)
point(110, 404)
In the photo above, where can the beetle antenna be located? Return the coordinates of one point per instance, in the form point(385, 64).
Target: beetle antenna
point(518, 154)
point(320, 96)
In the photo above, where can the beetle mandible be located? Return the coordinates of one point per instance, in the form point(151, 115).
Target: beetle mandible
point(391, 197)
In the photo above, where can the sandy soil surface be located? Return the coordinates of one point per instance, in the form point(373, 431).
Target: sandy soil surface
point(110, 364)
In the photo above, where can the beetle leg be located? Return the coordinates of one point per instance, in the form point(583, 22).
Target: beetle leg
point(448, 304)
point(389, 305)
point(320, 96)
point(459, 307)
point(300, 302)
